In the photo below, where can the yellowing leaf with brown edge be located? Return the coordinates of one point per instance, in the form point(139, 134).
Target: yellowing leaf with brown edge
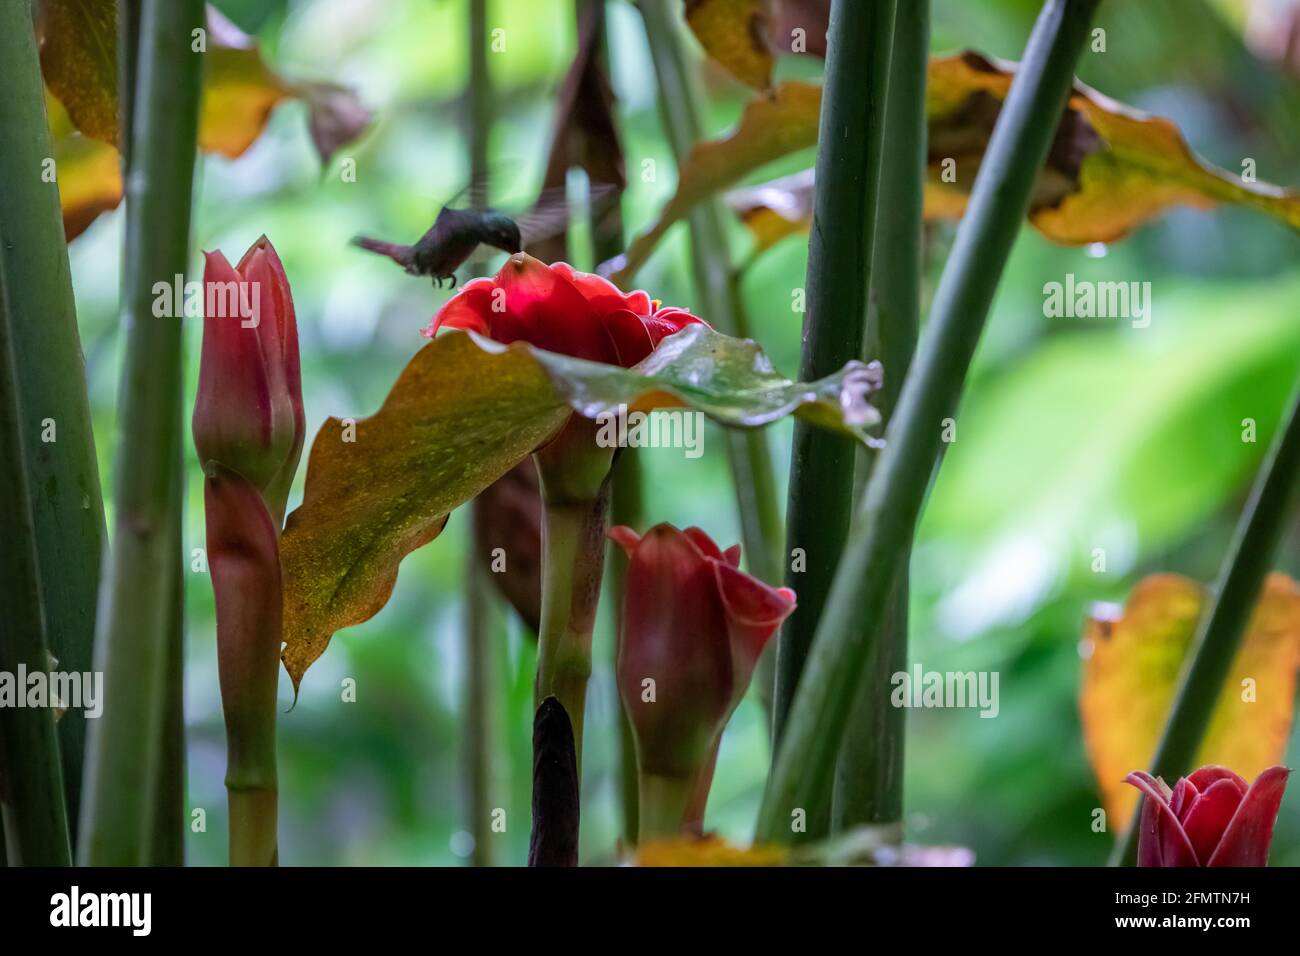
point(466, 410)
point(734, 33)
point(1110, 168)
point(89, 172)
point(708, 850)
point(1134, 658)
point(775, 123)
point(79, 62)
point(457, 419)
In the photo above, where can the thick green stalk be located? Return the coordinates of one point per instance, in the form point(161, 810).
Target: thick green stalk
point(167, 842)
point(869, 772)
point(719, 299)
point(665, 803)
point(803, 772)
point(32, 804)
point(137, 620)
point(63, 474)
point(840, 248)
point(574, 477)
point(481, 600)
point(1222, 626)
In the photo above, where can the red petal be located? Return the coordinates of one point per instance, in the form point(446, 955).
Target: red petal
point(1208, 774)
point(754, 611)
point(703, 542)
point(625, 538)
point(1207, 817)
point(628, 336)
point(1247, 838)
point(544, 308)
point(1184, 793)
point(232, 410)
point(469, 309)
point(668, 322)
point(603, 295)
point(1161, 840)
point(732, 557)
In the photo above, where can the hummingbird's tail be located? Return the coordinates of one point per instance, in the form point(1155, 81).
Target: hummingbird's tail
point(399, 254)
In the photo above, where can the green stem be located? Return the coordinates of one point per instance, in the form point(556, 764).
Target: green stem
point(481, 600)
point(1223, 625)
point(573, 475)
point(869, 772)
point(840, 252)
point(63, 474)
point(136, 621)
point(32, 807)
point(747, 450)
point(628, 509)
point(802, 774)
point(665, 803)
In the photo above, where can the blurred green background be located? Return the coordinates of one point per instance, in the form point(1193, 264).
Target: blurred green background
point(1074, 434)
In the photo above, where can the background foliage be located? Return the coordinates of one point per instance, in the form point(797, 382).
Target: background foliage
point(1074, 434)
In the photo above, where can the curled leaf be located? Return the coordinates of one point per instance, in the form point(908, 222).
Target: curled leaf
point(746, 36)
point(1133, 660)
point(1110, 168)
point(464, 412)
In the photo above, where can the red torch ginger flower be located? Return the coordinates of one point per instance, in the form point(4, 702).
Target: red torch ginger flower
point(1211, 818)
point(248, 414)
point(559, 309)
point(694, 624)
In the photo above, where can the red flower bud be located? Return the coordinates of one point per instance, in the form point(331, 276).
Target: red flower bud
point(694, 624)
point(248, 415)
point(1210, 818)
point(559, 309)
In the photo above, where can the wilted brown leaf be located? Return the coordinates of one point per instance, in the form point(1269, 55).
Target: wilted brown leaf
point(1131, 671)
point(79, 63)
point(89, 172)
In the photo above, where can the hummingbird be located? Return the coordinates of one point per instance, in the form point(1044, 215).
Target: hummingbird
point(452, 239)
point(457, 233)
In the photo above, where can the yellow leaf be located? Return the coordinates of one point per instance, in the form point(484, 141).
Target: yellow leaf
point(1133, 662)
point(1109, 170)
point(89, 172)
point(79, 62)
point(707, 851)
point(440, 438)
point(734, 33)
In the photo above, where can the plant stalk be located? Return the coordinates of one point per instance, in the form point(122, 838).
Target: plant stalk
point(869, 772)
point(31, 774)
point(840, 253)
point(65, 503)
point(747, 450)
point(1223, 624)
point(480, 597)
point(802, 775)
point(136, 621)
point(574, 477)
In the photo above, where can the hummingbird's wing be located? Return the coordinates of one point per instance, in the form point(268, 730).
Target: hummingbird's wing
point(552, 212)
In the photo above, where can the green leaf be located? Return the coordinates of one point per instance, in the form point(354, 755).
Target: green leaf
point(464, 412)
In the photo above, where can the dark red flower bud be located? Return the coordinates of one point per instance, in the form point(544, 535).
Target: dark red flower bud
point(693, 628)
point(1211, 818)
point(248, 415)
point(559, 309)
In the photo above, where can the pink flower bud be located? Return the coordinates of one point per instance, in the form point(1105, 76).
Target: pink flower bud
point(1210, 818)
point(693, 628)
point(248, 416)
